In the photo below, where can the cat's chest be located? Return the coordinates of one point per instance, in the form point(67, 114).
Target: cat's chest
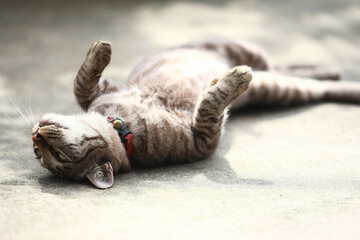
point(146, 100)
point(154, 127)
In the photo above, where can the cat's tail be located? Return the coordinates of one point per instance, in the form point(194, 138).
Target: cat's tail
point(342, 91)
point(273, 89)
point(310, 71)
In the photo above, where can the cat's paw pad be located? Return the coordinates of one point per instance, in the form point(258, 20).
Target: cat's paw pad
point(99, 55)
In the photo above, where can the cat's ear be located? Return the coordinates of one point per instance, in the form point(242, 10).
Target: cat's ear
point(101, 176)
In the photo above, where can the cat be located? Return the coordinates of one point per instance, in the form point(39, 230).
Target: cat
point(172, 109)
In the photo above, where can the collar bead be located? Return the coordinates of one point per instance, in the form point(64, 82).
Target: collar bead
point(125, 135)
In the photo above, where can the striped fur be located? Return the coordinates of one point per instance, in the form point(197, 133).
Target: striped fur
point(210, 110)
point(86, 85)
point(175, 104)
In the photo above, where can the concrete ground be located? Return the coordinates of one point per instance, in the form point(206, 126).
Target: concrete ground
point(278, 174)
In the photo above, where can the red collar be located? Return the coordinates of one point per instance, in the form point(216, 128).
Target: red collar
point(125, 135)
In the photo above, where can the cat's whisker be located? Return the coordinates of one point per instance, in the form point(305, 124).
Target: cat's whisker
point(28, 109)
point(15, 104)
point(31, 112)
point(25, 130)
point(7, 115)
point(25, 107)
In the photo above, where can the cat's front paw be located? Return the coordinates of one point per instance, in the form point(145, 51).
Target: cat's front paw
point(238, 78)
point(98, 56)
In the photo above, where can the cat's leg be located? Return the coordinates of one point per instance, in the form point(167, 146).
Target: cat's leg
point(311, 71)
point(210, 111)
point(236, 53)
point(273, 89)
point(242, 53)
point(87, 84)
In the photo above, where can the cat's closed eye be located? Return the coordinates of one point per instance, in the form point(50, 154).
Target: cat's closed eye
point(61, 157)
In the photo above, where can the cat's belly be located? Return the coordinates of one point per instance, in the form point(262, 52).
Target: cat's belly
point(187, 69)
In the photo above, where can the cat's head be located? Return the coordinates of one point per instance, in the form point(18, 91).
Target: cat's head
point(78, 146)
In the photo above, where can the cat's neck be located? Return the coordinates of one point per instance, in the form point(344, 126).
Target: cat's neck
point(116, 153)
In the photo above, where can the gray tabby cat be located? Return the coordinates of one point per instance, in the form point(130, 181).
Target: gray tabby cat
point(172, 109)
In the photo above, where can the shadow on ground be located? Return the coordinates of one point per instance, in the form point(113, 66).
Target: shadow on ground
point(215, 168)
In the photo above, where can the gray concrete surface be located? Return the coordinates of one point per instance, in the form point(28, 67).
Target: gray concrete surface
point(279, 174)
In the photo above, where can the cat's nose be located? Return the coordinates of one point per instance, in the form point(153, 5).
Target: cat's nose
point(36, 137)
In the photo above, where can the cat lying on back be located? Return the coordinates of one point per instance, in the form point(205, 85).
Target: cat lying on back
point(172, 109)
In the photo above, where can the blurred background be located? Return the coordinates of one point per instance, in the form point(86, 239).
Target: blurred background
point(290, 173)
